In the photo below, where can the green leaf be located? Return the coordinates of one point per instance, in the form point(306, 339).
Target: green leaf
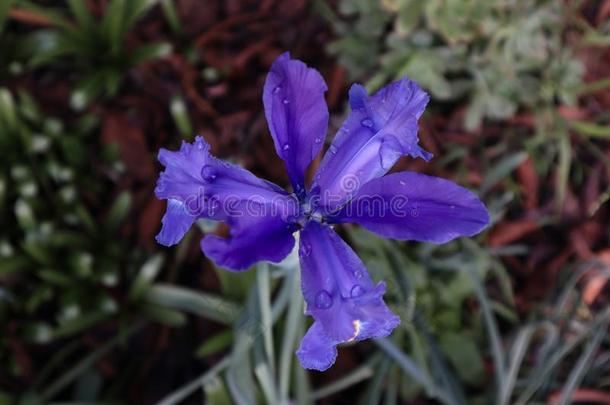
point(178, 396)
point(199, 303)
point(464, 356)
point(264, 300)
point(118, 212)
point(80, 323)
point(113, 24)
point(181, 118)
point(591, 129)
point(74, 371)
point(82, 14)
point(149, 52)
point(47, 45)
point(171, 15)
point(148, 272)
point(502, 169)
point(8, 113)
point(215, 344)
point(163, 314)
point(295, 311)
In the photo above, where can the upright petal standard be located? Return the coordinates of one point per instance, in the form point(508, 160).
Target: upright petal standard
point(350, 185)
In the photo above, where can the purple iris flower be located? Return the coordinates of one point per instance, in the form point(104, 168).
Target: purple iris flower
point(350, 186)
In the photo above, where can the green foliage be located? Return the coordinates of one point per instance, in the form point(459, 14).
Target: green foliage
point(497, 57)
point(96, 49)
point(55, 258)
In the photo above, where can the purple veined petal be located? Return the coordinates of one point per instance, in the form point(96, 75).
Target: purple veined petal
point(340, 295)
point(413, 206)
point(296, 113)
point(259, 231)
point(201, 186)
point(380, 129)
point(192, 176)
point(175, 223)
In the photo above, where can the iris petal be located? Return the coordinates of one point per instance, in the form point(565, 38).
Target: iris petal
point(260, 233)
point(198, 185)
point(413, 206)
point(340, 295)
point(296, 113)
point(176, 222)
point(379, 129)
point(317, 350)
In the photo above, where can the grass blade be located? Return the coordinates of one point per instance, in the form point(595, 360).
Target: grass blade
point(199, 303)
point(264, 302)
point(360, 374)
point(517, 353)
point(72, 374)
point(409, 367)
point(295, 309)
point(581, 367)
point(183, 392)
point(491, 325)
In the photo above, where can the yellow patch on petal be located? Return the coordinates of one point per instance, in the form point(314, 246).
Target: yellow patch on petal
point(356, 324)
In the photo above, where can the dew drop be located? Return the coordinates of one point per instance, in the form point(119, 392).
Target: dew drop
point(277, 89)
point(402, 183)
point(286, 146)
point(357, 291)
point(389, 152)
point(332, 149)
point(286, 101)
point(306, 249)
point(358, 274)
point(323, 300)
point(367, 122)
point(317, 140)
point(208, 173)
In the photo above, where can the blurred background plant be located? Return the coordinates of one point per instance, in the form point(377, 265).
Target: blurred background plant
point(89, 47)
point(495, 57)
point(92, 310)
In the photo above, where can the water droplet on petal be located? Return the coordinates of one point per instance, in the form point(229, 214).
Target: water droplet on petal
point(277, 89)
point(286, 146)
point(357, 291)
point(323, 300)
point(317, 140)
point(208, 173)
point(332, 149)
point(389, 152)
point(367, 122)
point(402, 183)
point(286, 101)
point(358, 274)
point(306, 249)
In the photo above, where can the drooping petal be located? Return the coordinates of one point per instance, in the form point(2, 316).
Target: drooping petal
point(296, 113)
point(261, 232)
point(198, 185)
point(413, 206)
point(317, 350)
point(379, 130)
point(176, 222)
point(340, 295)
